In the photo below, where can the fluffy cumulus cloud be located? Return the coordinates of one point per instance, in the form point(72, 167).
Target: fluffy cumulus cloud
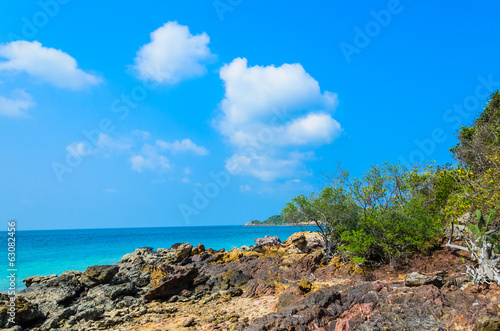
point(16, 105)
point(173, 54)
point(269, 111)
point(46, 64)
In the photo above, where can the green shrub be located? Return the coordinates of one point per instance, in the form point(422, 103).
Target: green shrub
point(387, 214)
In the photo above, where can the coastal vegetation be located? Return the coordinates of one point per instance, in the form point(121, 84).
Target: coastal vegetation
point(277, 220)
point(394, 211)
point(273, 220)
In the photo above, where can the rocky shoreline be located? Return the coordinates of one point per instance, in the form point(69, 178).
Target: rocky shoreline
point(270, 286)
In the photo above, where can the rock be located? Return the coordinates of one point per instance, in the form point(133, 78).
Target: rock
point(168, 280)
point(298, 313)
point(267, 240)
point(313, 240)
point(235, 292)
point(257, 289)
point(190, 321)
point(112, 291)
point(102, 274)
point(90, 314)
point(235, 277)
point(305, 285)
point(488, 323)
point(198, 249)
point(183, 251)
point(289, 296)
point(126, 301)
point(299, 240)
point(37, 279)
point(416, 279)
point(143, 250)
point(25, 312)
point(49, 294)
point(49, 324)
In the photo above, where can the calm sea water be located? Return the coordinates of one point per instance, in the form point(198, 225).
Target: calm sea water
point(54, 251)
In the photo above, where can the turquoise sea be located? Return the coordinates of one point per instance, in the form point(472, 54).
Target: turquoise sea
point(54, 251)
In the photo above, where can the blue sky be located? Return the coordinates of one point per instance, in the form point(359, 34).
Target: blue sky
point(175, 113)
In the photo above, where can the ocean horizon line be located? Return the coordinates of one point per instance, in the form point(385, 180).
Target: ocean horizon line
point(149, 227)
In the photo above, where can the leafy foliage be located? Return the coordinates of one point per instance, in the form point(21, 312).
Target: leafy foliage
point(478, 141)
point(386, 214)
point(480, 231)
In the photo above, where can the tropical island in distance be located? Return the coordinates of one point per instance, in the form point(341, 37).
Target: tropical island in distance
point(277, 220)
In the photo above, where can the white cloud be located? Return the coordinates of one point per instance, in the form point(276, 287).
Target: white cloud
point(142, 156)
point(315, 128)
point(110, 190)
point(265, 167)
point(267, 110)
point(47, 64)
point(185, 145)
point(149, 159)
point(105, 145)
point(173, 54)
point(17, 105)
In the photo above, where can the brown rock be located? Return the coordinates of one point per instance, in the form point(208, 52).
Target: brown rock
point(198, 249)
point(102, 273)
point(416, 279)
point(183, 251)
point(168, 280)
point(25, 313)
point(257, 289)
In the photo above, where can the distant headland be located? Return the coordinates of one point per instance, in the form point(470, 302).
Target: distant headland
point(277, 220)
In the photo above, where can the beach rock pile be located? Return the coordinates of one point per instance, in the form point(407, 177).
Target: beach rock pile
point(273, 285)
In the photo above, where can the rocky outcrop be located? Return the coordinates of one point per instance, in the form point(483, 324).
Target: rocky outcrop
point(26, 314)
point(102, 274)
point(168, 280)
point(416, 279)
point(270, 286)
point(267, 240)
